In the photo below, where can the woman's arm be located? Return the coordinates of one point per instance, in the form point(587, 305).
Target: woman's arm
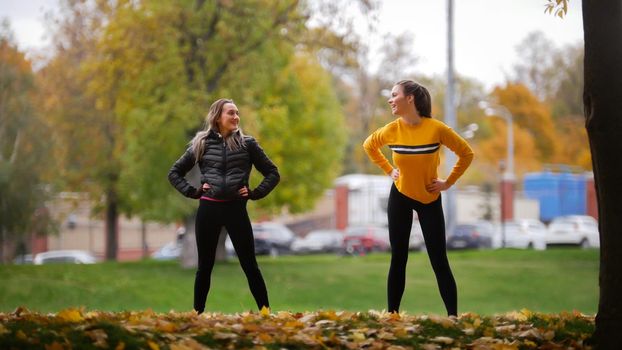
point(266, 167)
point(176, 176)
point(461, 148)
point(372, 147)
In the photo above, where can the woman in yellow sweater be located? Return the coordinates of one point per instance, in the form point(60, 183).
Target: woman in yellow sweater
point(415, 139)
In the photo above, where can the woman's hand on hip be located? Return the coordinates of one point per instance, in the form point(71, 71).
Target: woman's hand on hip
point(437, 186)
point(395, 174)
point(243, 192)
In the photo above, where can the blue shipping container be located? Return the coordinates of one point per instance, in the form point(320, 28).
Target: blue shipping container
point(558, 193)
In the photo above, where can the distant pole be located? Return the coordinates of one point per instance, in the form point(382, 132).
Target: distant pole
point(450, 118)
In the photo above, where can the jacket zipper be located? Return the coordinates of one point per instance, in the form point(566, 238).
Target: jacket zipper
point(224, 150)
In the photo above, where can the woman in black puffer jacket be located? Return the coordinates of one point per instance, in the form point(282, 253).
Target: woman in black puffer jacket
point(225, 157)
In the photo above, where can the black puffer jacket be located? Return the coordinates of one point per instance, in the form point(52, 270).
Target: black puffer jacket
point(226, 171)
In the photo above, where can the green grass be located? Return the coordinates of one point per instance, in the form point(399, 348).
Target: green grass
point(489, 282)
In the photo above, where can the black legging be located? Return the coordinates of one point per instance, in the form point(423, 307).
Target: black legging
point(400, 213)
point(211, 216)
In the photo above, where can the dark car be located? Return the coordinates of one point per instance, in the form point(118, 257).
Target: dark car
point(276, 234)
point(270, 238)
point(365, 239)
point(471, 236)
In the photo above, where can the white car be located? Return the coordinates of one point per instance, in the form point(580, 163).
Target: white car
point(319, 241)
point(522, 233)
point(581, 230)
point(65, 256)
point(169, 251)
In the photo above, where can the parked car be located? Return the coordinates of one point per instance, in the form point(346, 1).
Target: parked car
point(580, 230)
point(65, 256)
point(262, 247)
point(365, 239)
point(522, 233)
point(23, 259)
point(476, 235)
point(276, 234)
point(319, 241)
point(169, 251)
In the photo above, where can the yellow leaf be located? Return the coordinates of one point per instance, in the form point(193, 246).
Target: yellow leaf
point(330, 314)
point(529, 343)
point(357, 336)
point(153, 345)
point(167, 327)
point(120, 346)
point(526, 312)
point(549, 335)
point(188, 344)
point(20, 335)
point(265, 311)
point(294, 324)
point(265, 338)
point(284, 315)
point(70, 315)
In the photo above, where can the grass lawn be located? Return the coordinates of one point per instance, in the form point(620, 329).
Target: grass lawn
point(489, 282)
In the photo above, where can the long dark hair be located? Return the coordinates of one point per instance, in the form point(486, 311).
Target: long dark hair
point(423, 101)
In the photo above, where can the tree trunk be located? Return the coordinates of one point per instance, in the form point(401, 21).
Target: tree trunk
point(112, 217)
point(143, 239)
point(602, 96)
point(1, 245)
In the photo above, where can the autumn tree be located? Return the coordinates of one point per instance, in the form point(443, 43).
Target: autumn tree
point(22, 148)
point(85, 136)
point(146, 73)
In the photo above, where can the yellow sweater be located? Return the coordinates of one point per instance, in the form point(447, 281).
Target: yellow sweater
point(416, 153)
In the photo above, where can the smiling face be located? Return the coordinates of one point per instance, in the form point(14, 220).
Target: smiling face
point(229, 120)
point(400, 103)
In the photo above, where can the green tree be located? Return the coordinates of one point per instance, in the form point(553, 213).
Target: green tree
point(85, 135)
point(22, 156)
point(146, 72)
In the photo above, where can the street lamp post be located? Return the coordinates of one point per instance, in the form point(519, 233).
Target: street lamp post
point(507, 178)
point(495, 110)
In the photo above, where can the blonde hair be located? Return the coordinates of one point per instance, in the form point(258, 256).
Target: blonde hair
point(234, 141)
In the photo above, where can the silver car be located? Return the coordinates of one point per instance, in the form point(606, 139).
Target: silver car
point(319, 241)
point(65, 256)
point(579, 230)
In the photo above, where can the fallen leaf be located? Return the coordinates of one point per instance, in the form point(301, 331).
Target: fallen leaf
point(153, 345)
point(265, 311)
point(70, 315)
point(54, 346)
point(444, 340)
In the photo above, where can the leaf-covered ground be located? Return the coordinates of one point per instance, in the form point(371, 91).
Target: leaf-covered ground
point(80, 329)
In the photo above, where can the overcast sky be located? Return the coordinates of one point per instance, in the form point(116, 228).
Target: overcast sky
point(486, 32)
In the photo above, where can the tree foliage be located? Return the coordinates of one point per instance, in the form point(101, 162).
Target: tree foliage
point(22, 156)
point(145, 74)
